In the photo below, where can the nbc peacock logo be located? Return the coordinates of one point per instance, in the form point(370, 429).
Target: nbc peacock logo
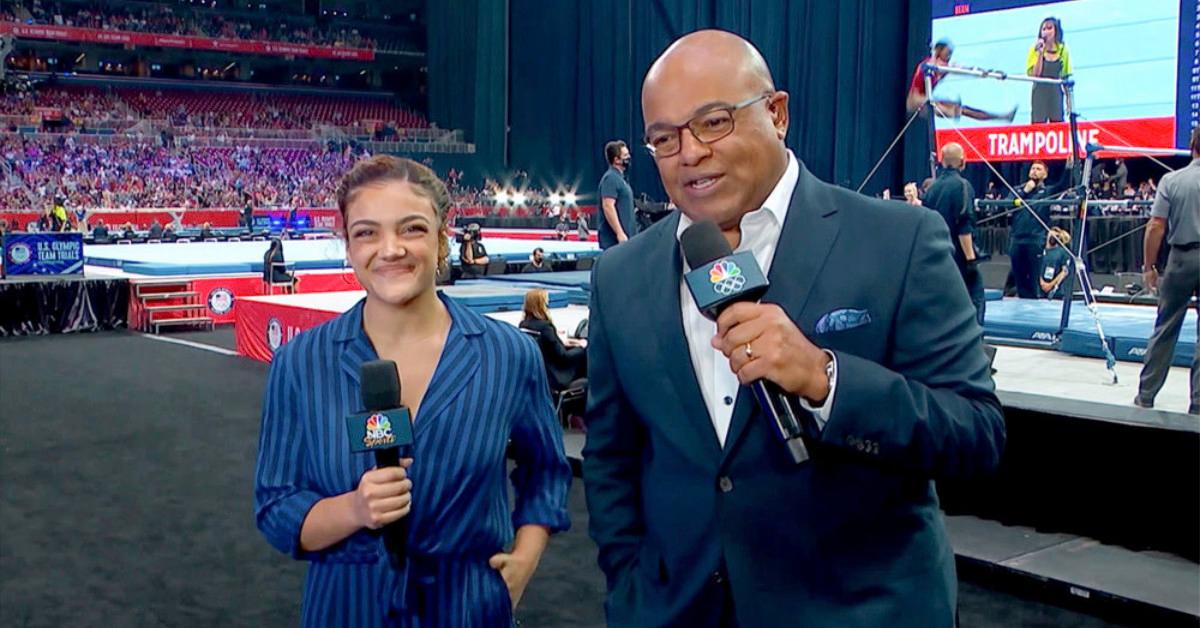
point(379, 431)
point(726, 277)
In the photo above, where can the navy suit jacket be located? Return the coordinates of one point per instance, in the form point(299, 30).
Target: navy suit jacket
point(854, 537)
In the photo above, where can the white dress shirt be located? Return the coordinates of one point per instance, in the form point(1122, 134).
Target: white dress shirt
point(760, 235)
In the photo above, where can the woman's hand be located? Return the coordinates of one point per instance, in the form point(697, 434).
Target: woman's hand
point(516, 569)
point(383, 496)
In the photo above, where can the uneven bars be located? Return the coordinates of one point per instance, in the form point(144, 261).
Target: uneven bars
point(1096, 148)
point(994, 74)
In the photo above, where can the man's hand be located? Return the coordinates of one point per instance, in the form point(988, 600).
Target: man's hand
point(778, 350)
point(1150, 279)
point(1029, 185)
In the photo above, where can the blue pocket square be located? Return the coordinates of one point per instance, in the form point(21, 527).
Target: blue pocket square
point(841, 320)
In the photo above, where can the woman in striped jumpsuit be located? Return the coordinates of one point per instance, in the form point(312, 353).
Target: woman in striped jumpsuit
point(476, 387)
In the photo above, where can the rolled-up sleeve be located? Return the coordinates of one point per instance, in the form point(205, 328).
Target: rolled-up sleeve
point(281, 499)
point(542, 475)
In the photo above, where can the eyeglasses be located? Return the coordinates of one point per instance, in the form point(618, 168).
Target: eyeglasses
point(706, 127)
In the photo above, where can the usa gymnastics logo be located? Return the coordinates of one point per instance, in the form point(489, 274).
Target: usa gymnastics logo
point(274, 334)
point(220, 300)
point(379, 431)
point(19, 253)
point(726, 277)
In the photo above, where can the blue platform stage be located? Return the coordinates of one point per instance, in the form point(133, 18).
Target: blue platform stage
point(581, 279)
point(222, 258)
point(1127, 328)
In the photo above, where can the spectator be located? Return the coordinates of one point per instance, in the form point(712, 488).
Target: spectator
point(537, 262)
point(911, 195)
point(156, 230)
point(472, 255)
point(565, 361)
point(100, 231)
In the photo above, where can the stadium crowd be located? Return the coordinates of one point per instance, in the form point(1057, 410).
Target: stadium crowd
point(187, 20)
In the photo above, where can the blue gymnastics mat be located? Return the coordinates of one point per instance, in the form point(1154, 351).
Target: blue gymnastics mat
point(224, 258)
point(574, 295)
point(1127, 328)
point(485, 298)
point(581, 279)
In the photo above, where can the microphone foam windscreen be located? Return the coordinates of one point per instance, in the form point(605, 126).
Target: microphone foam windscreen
point(380, 385)
point(702, 243)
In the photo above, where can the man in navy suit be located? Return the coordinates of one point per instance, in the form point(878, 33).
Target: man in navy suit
point(700, 514)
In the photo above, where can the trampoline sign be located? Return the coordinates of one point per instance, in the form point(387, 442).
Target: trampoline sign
point(43, 254)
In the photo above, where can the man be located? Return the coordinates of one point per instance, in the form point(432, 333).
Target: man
point(1176, 211)
point(953, 198)
point(942, 51)
point(616, 197)
point(1027, 233)
point(700, 515)
point(156, 230)
point(1057, 265)
point(248, 214)
point(537, 262)
point(100, 232)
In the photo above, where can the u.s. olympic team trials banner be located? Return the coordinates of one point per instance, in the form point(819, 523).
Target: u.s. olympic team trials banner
point(43, 254)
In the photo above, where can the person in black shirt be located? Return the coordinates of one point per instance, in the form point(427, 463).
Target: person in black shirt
point(1027, 233)
point(156, 230)
point(1057, 265)
point(274, 270)
point(953, 198)
point(537, 262)
point(472, 255)
point(100, 231)
point(617, 220)
point(564, 364)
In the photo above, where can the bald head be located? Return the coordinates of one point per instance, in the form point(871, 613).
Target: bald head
point(709, 99)
point(952, 155)
point(711, 55)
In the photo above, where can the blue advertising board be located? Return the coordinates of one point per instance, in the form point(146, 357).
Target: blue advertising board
point(43, 254)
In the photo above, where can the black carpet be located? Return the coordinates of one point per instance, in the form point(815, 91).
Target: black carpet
point(126, 471)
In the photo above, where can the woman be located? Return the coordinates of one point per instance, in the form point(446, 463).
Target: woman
point(1048, 58)
point(472, 384)
point(472, 255)
point(564, 364)
point(911, 195)
point(274, 269)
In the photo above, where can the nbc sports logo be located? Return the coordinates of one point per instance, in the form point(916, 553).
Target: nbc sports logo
point(726, 277)
point(379, 431)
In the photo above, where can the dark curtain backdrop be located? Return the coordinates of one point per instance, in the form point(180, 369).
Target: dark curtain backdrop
point(576, 68)
point(467, 57)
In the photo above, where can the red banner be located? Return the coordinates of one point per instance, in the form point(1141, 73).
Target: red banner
point(222, 295)
point(95, 35)
point(1053, 140)
point(264, 327)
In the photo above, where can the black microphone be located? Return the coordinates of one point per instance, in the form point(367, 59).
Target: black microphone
point(383, 427)
point(720, 278)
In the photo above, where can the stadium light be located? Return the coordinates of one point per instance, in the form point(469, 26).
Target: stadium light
point(519, 198)
point(555, 198)
point(570, 198)
point(501, 197)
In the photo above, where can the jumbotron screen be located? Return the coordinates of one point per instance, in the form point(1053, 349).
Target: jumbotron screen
point(1134, 65)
